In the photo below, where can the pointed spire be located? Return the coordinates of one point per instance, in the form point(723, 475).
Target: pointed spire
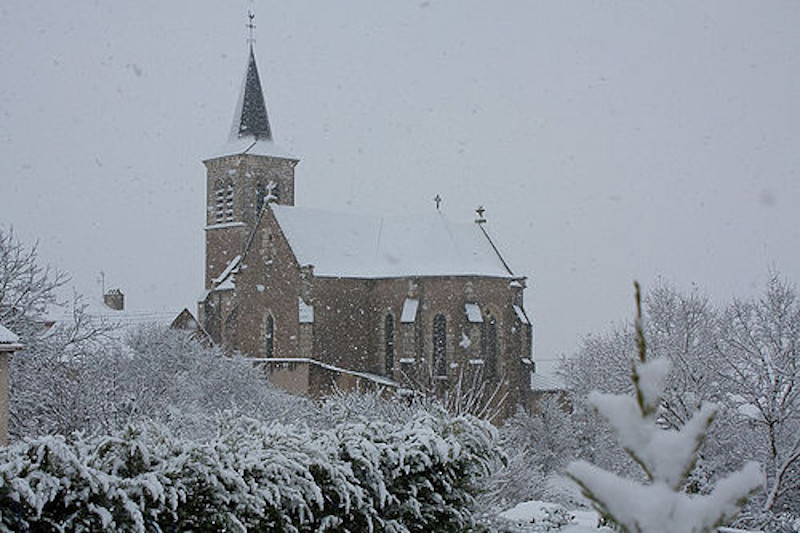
point(251, 118)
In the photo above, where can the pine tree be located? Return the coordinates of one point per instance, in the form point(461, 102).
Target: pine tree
point(667, 457)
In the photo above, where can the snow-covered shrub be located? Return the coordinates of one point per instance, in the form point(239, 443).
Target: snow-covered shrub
point(78, 379)
point(419, 475)
point(537, 446)
point(666, 456)
point(742, 356)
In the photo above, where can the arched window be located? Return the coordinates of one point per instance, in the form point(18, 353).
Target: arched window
point(269, 337)
point(388, 331)
point(489, 345)
point(439, 346)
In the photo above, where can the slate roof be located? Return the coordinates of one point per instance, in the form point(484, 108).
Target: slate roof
point(251, 132)
point(250, 119)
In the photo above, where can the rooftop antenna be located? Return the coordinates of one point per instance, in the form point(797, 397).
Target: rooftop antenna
point(438, 200)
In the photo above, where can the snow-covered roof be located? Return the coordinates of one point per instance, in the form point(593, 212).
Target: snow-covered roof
point(542, 382)
point(126, 319)
point(305, 312)
point(473, 313)
point(8, 341)
point(409, 313)
point(6, 336)
point(251, 146)
point(277, 361)
point(521, 315)
point(377, 246)
point(233, 267)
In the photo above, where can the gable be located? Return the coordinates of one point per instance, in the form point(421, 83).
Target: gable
point(375, 246)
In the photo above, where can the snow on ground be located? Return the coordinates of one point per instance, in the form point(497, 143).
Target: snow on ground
point(538, 515)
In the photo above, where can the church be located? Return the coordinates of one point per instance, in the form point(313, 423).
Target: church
point(331, 300)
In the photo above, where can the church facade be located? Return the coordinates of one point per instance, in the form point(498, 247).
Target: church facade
point(336, 300)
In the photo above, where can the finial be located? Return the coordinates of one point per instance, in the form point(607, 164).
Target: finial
point(251, 27)
point(438, 200)
point(480, 211)
point(271, 196)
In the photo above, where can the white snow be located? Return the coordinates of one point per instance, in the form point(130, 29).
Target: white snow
point(750, 411)
point(473, 313)
point(653, 375)
point(666, 456)
point(533, 512)
point(7, 337)
point(223, 225)
point(542, 382)
point(409, 313)
point(666, 453)
point(465, 342)
point(126, 320)
point(230, 268)
point(657, 508)
point(248, 145)
point(381, 380)
point(375, 246)
point(521, 315)
point(226, 285)
point(306, 312)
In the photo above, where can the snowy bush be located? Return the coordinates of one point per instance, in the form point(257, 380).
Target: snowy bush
point(77, 378)
point(743, 357)
point(416, 476)
point(666, 456)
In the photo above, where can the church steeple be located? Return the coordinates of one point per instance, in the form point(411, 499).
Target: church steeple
point(241, 177)
point(251, 119)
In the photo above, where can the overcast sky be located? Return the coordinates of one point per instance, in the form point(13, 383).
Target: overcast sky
point(608, 141)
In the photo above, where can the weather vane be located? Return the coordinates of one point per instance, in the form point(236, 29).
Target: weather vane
point(251, 26)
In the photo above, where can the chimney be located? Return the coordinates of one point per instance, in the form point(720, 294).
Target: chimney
point(114, 299)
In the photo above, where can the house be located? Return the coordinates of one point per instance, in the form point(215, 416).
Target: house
point(9, 343)
point(111, 315)
point(330, 300)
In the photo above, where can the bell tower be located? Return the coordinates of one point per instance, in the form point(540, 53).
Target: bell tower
point(247, 173)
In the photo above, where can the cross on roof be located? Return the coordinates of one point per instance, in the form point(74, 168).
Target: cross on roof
point(438, 200)
point(480, 210)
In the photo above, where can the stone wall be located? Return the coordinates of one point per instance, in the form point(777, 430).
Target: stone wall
point(226, 237)
point(348, 328)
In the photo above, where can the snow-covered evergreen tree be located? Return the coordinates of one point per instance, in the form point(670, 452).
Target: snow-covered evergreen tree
point(667, 456)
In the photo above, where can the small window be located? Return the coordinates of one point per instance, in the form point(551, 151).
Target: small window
point(489, 346)
point(388, 330)
point(269, 337)
point(440, 346)
point(267, 247)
